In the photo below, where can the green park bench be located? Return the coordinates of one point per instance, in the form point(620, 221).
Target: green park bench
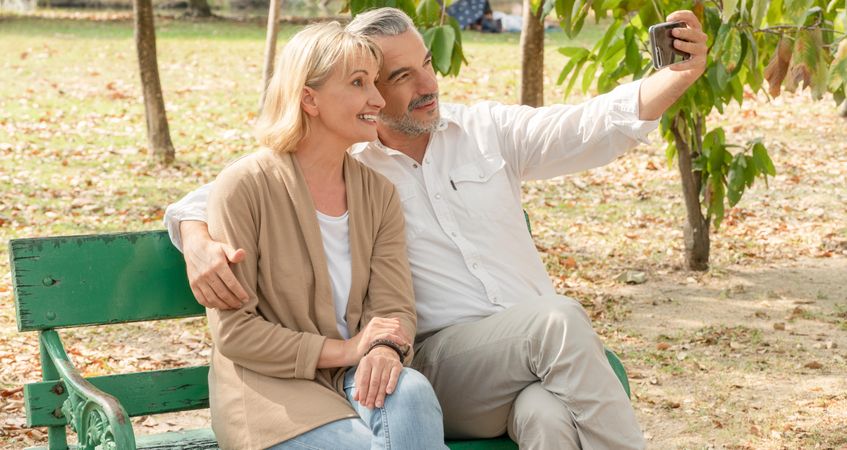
point(74, 281)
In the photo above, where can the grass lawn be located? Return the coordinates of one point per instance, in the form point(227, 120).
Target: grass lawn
point(709, 365)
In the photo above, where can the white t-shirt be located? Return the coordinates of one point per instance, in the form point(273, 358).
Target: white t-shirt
point(335, 232)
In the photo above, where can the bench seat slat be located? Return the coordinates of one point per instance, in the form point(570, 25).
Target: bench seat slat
point(140, 393)
point(91, 280)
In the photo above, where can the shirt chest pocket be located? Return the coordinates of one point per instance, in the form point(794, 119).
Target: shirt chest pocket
point(413, 211)
point(482, 187)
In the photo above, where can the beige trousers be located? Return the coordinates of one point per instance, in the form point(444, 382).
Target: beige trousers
point(537, 371)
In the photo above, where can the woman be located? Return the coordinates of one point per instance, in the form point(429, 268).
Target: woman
point(315, 358)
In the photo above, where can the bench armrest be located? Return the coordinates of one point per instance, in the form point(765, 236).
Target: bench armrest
point(97, 417)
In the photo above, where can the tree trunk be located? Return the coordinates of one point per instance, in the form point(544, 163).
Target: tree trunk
point(696, 230)
point(532, 56)
point(158, 135)
point(270, 48)
point(842, 111)
point(199, 8)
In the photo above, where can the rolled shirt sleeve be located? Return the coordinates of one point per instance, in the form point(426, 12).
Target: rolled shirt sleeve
point(546, 142)
point(190, 207)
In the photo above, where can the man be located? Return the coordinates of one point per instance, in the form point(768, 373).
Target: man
point(502, 350)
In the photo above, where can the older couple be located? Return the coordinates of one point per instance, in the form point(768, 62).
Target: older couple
point(325, 270)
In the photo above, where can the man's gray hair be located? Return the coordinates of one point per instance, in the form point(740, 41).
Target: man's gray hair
point(381, 22)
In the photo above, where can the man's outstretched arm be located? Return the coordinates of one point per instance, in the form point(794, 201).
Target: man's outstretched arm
point(660, 91)
point(207, 262)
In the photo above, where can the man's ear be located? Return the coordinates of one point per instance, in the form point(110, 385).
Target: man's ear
point(308, 102)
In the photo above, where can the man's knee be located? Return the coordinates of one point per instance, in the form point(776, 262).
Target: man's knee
point(562, 317)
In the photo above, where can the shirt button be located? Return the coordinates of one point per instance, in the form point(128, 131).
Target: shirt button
point(415, 165)
point(426, 161)
point(481, 176)
point(453, 234)
point(475, 266)
point(437, 196)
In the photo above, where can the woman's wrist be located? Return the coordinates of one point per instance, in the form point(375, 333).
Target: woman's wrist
point(352, 352)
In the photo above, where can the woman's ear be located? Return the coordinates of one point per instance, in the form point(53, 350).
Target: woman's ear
point(308, 102)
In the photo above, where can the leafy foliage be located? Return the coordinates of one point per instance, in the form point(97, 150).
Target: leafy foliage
point(442, 33)
point(788, 43)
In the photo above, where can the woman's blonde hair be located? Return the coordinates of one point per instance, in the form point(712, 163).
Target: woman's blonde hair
point(309, 59)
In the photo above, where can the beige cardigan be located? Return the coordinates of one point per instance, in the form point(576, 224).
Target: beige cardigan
point(264, 387)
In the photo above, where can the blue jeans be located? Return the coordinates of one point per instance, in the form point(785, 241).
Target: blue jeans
point(409, 419)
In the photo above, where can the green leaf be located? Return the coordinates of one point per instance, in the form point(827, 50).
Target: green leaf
point(588, 76)
point(407, 6)
point(716, 209)
point(763, 160)
point(795, 11)
point(754, 53)
point(750, 172)
point(563, 75)
point(608, 36)
point(575, 75)
point(715, 141)
point(736, 180)
point(428, 36)
point(548, 6)
point(574, 52)
point(442, 48)
point(428, 12)
point(730, 7)
point(808, 64)
point(758, 11)
point(612, 60)
point(633, 54)
point(774, 14)
point(838, 70)
point(737, 90)
point(733, 50)
point(579, 19)
point(565, 10)
point(670, 153)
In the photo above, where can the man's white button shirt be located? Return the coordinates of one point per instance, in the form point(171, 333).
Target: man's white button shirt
point(469, 249)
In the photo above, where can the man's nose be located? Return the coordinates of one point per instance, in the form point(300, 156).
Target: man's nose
point(427, 83)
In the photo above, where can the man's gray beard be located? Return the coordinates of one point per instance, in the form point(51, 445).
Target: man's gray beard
point(407, 124)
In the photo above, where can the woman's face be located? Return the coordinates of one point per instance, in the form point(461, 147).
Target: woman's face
point(348, 104)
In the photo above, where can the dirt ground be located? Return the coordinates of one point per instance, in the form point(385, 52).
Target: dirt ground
point(746, 357)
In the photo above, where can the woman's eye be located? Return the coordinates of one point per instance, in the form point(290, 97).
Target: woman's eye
point(357, 82)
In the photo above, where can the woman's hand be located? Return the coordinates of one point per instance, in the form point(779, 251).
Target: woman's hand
point(377, 328)
point(377, 376)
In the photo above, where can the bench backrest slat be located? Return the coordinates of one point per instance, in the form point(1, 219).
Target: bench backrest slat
point(140, 393)
point(98, 279)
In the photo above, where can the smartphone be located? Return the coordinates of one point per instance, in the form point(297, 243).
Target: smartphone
point(661, 45)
